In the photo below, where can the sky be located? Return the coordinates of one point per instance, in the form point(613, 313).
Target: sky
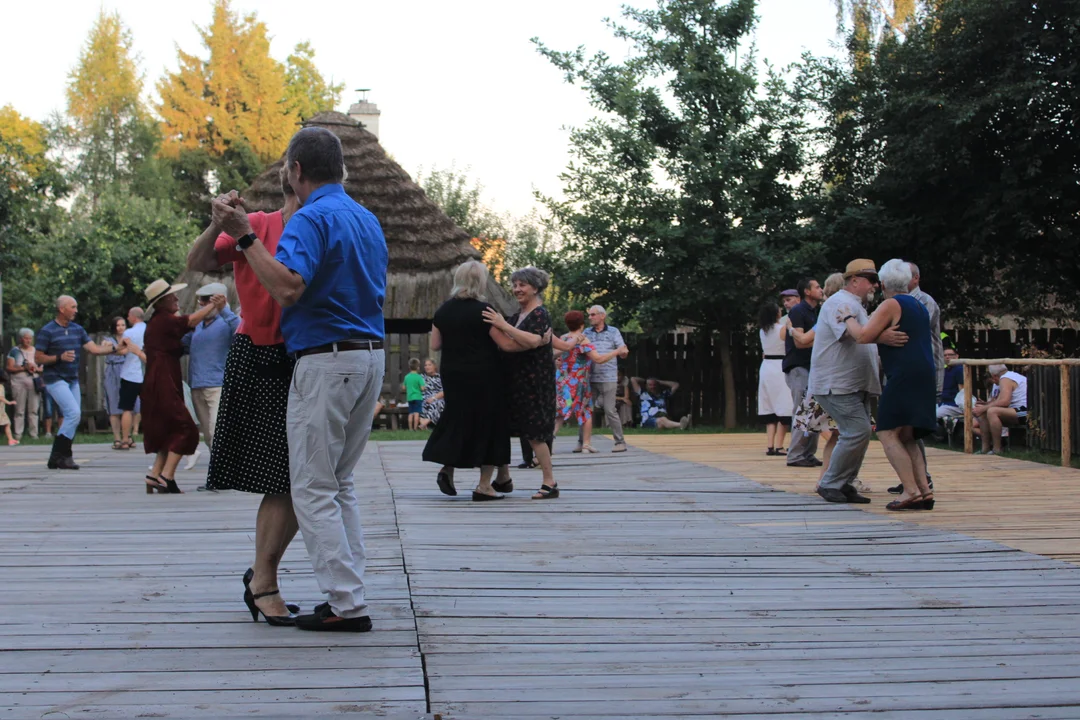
point(458, 84)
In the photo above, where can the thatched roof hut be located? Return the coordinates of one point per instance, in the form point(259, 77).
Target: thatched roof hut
point(424, 243)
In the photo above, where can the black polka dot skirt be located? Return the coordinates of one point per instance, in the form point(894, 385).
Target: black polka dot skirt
point(251, 449)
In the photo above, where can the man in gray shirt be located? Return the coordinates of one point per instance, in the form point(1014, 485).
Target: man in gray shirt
point(605, 376)
point(843, 377)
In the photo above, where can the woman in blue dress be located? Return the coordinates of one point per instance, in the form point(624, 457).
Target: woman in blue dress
point(907, 408)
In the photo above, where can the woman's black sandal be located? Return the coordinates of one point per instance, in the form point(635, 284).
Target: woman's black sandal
point(153, 483)
point(172, 487)
point(546, 492)
point(247, 581)
point(274, 620)
point(446, 483)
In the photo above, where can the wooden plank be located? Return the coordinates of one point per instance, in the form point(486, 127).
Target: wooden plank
point(969, 416)
point(1066, 418)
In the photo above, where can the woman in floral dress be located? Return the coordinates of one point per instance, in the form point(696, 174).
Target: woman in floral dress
point(434, 398)
point(573, 391)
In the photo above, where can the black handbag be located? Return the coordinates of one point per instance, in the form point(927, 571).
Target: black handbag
point(39, 384)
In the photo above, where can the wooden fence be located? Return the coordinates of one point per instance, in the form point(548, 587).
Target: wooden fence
point(692, 360)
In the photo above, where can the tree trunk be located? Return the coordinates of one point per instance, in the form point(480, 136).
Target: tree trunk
point(729, 379)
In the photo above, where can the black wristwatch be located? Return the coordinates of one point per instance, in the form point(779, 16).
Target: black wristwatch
point(849, 317)
point(247, 241)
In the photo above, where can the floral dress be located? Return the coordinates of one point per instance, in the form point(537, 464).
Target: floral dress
point(433, 410)
point(573, 389)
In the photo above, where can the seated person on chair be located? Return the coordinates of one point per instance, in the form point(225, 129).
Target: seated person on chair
point(655, 395)
point(1007, 406)
point(954, 382)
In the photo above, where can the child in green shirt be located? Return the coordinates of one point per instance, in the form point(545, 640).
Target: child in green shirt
point(414, 393)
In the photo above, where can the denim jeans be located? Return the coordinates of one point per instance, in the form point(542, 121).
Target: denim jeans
point(68, 399)
point(852, 415)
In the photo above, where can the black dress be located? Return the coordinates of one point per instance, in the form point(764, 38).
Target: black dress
point(532, 382)
point(473, 429)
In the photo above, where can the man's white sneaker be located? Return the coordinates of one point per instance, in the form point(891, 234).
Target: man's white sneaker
point(619, 447)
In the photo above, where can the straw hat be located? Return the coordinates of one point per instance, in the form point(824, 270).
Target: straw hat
point(159, 289)
point(861, 266)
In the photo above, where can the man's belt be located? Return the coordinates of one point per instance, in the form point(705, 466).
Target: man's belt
point(775, 357)
point(343, 346)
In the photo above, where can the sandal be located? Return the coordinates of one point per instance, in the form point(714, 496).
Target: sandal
point(127, 445)
point(117, 445)
point(546, 492)
point(153, 483)
point(589, 449)
point(504, 487)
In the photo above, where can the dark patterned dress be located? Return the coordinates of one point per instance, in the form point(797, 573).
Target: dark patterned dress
point(531, 375)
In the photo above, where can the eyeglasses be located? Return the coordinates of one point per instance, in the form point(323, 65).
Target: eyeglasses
point(204, 300)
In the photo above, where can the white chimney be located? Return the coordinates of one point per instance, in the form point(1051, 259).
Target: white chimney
point(366, 113)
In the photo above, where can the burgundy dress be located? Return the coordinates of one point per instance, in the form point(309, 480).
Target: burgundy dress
point(166, 422)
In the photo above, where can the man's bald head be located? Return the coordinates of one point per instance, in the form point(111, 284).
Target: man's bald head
point(67, 307)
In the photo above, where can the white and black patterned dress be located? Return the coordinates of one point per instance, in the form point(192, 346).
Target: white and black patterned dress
point(433, 410)
point(251, 448)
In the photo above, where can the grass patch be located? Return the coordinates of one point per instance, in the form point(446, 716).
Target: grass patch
point(1045, 457)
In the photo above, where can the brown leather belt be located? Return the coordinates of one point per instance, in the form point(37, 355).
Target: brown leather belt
point(343, 346)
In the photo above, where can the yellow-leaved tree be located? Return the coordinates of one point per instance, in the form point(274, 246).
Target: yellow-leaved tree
point(109, 125)
point(238, 94)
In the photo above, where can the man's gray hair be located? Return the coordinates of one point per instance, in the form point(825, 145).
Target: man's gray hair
point(914, 270)
point(24, 332)
point(997, 369)
point(470, 279)
point(895, 276)
point(137, 312)
point(532, 276)
point(63, 299)
point(598, 309)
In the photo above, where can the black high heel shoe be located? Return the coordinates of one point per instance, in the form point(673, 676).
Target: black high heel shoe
point(171, 486)
point(247, 582)
point(273, 620)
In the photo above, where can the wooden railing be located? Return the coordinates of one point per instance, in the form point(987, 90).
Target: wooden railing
point(1066, 408)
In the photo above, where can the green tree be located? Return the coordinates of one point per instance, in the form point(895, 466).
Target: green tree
point(681, 202)
point(111, 132)
point(30, 184)
point(104, 258)
point(238, 94)
point(307, 92)
point(956, 148)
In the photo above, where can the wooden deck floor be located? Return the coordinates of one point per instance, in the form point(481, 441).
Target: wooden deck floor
point(653, 588)
point(1025, 505)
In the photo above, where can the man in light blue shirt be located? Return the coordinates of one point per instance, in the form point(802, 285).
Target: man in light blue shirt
point(605, 376)
point(329, 276)
point(208, 347)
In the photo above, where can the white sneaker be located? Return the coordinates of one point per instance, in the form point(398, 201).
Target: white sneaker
point(578, 448)
point(619, 447)
point(192, 459)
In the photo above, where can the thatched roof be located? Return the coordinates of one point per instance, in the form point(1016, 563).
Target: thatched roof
point(424, 243)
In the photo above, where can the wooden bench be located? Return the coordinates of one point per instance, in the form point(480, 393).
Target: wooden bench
point(390, 415)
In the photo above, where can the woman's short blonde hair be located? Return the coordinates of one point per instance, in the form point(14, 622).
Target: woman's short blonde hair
point(833, 283)
point(470, 279)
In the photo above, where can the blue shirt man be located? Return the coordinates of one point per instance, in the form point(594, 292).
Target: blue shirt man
point(56, 339)
point(208, 347)
point(337, 247)
point(604, 377)
point(329, 276)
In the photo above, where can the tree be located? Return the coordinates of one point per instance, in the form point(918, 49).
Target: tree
point(104, 258)
point(681, 203)
point(956, 148)
point(237, 95)
point(30, 184)
point(306, 91)
point(110, 128)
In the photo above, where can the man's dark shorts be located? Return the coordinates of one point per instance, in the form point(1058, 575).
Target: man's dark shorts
point(129, 394)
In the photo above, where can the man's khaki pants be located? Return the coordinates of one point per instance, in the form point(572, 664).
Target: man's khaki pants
point(206, 401)
point(331, 402)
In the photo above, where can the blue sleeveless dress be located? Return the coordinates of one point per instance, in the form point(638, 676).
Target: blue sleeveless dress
point(910, 393)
